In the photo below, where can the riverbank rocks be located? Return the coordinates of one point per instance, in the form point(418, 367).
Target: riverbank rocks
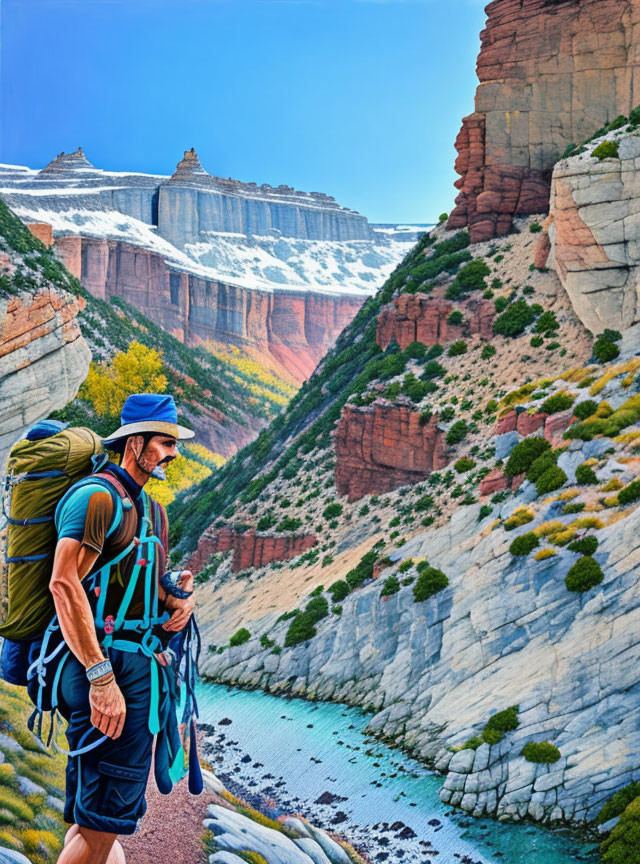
point(235, 832)
point(251, 549)
point(383, 446)
point(551, 73)
point(421, 318)
point(593, 232)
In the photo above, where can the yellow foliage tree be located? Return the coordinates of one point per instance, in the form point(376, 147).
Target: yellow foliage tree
point(136, 370)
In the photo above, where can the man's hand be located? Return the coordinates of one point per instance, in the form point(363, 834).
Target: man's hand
point(182, 608)
point(108, 709)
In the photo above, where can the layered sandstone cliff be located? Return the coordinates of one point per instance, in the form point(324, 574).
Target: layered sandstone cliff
point(288, 331)
point(43, 359)
point(383, 446)
point(594, 232)
point(421, 318)
point(251, 549)
point(551, 73)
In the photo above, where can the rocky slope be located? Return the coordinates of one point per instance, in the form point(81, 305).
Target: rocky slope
point(511, 667)
point(551, 72)
point(272, 271)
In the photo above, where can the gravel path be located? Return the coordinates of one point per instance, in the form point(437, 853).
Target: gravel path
point(170, 831)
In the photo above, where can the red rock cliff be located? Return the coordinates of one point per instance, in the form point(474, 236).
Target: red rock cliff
point(383, 446)
point(418, 317)
point(551, 73)
point(289, 332)
point(250, 549)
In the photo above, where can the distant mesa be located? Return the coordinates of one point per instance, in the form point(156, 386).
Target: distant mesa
point(65, 162)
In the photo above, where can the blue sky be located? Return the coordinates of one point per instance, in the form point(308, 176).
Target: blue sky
point(356, 98)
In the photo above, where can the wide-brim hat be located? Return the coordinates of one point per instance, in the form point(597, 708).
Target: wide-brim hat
point(149, 412)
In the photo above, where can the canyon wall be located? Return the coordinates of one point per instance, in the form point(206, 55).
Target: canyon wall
point(420, 318)
point(551, 73)
point(43, 358)
point(594, 233)
point(291, 330)
point(383, 446)
point(251, 549)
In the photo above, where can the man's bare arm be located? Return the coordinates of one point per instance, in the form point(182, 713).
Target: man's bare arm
point(71, 563)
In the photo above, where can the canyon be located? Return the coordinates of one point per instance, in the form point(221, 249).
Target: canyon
point(271, 271)
point(551, 73)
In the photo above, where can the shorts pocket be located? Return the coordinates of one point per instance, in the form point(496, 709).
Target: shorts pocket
point(123, 790)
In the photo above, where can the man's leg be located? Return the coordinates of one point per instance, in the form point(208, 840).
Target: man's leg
point(85, 846)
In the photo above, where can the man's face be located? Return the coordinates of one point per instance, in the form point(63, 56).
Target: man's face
point(160, 450)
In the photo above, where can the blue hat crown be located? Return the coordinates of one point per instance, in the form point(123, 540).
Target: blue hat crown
point(149, 406)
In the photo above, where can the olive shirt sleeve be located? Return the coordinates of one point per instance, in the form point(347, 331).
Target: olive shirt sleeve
point(86, 516)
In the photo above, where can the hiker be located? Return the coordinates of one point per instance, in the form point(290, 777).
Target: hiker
point(125, 623)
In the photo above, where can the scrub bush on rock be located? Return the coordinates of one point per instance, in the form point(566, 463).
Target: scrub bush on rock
point(585, 574)
point(524, 455)
point(430, 582)
point(542, 753)
point(524, 544)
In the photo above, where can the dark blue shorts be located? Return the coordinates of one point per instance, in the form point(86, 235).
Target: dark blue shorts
point(105, 787)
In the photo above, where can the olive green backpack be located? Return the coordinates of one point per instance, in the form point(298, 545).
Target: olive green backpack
point(39, 472)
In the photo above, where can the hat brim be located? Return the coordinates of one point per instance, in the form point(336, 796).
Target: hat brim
point(159, 426)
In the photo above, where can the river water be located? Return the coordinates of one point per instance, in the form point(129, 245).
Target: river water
point(388, 803)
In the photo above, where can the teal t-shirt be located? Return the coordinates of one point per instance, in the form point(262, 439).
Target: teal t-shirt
point(70, 515)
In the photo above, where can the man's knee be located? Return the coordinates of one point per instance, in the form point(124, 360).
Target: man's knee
point(100, 841)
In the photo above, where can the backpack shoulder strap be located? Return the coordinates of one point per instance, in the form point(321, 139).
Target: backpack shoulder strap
point(113, 486)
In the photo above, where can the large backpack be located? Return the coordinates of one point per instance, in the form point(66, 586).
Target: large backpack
point(39, 471)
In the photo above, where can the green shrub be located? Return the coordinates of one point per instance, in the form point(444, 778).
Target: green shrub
point(432, 369)
point(541, 753)
point(584, 545)
point(556, 403)
point(317, 608)
point(455, 317)
point(547, 323)
point(524, 544)
point(425, 502)
point(289, 523)
point(585, 475)
point(585, 409)
point(585, 574)
point(536, 341)
point(573, 507)
point(300, 629)
point(391, 586)
point(406, 565)
point(266, 522)
point(363, 570)
point(606, 150)
point(457, 432)
point(618, 803)
point(488, 352)
point(515, 319)
point(553, 478)
point(430, 582)
point(425, 416)
point(331, 511)
point(535, 227)
point(501, 303)
point(414, 389)
point(442, 218)
point(605, 351)
point(415, 350)
point(499, 724)
point(464, 464)
point(435, 351)
point(240, 637)
point(524, 455)
point(472, 743)
point(541, 465)
point(622, 846)
point(339, 590)
point(457, 347)
point(630, 493)
point(470, 277)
